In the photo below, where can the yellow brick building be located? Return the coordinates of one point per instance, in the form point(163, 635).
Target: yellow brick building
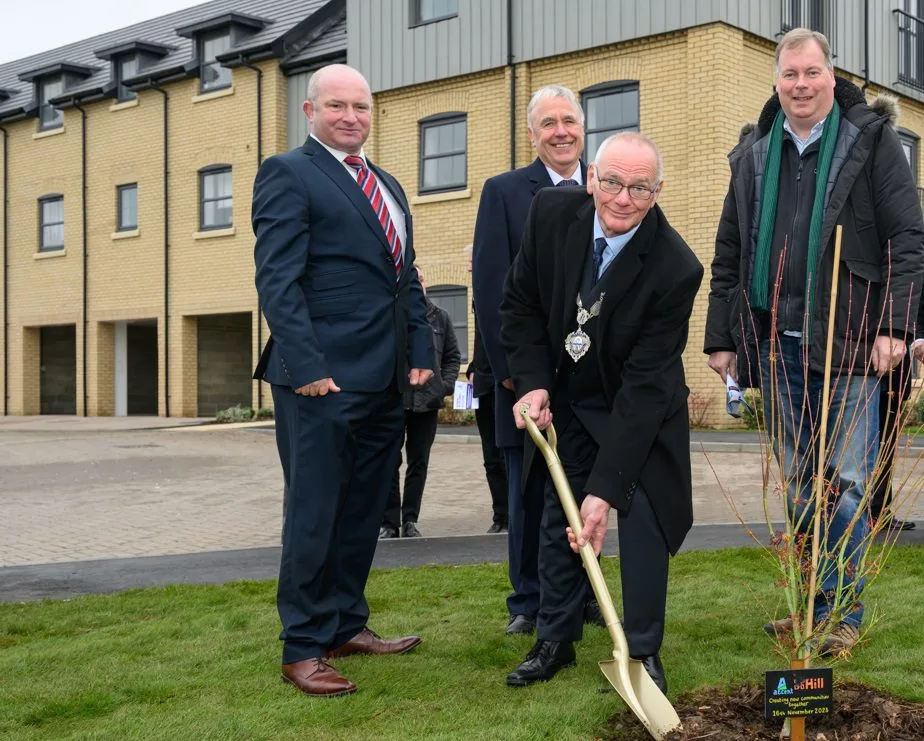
point(158, 313)
point(695, 87)
point(129, 160)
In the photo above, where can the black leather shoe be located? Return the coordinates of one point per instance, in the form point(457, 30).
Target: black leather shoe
point(542, 663)
point(521, 625)
point(655, 670)
point(893, 523)
point(497, 527)
point(592, 614)
point(410, 530)
point(387, 532)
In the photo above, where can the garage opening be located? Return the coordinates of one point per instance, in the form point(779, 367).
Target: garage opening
point(58, 369)
point(225, 359)
point(142, 367)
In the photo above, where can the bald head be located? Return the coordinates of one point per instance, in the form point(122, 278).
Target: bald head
point(334, 74)
point(339, 107)
point(632, 139)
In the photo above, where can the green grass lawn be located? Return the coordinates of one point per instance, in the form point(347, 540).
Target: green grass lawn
point(193, 662)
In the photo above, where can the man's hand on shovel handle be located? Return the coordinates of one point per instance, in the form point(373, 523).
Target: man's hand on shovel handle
point(539, 410)
point(595, 513)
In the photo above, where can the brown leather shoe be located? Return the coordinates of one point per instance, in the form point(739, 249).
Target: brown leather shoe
point(367, 642)
point(317, 678)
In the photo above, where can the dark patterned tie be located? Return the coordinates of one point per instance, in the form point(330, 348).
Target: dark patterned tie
point(567, 181)
point(366, 180)
point(599, 246)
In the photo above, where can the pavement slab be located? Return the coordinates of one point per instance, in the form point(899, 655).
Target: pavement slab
point(106, 489)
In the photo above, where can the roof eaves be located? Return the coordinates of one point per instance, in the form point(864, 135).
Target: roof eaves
point(152, 80)
point(81, 70)
point(13, 114)
point(314, 63)
point(218, 21)
point(157, 50)
point(27, 110)
point(84, 96)
point(235, 57)
point(305, 32)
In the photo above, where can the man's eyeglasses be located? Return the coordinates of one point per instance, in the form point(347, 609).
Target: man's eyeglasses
point(636, 192)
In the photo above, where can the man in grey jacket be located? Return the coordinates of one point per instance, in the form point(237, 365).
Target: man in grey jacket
point(421, 413)
point(819, 157)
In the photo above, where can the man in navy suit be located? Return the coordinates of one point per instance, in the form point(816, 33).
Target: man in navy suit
point(349, 334)
point(555, 125)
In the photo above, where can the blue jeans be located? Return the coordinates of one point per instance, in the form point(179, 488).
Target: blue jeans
point(852, 445)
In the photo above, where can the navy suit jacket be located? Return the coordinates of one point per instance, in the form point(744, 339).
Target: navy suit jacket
point(326, 278)
point(502, 212)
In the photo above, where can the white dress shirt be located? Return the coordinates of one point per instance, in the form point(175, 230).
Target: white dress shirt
point(394, 210)
point(556, 178)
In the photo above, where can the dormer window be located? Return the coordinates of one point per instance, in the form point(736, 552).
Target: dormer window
point(212, 76)
point(48, 89)
point(51, 82)
point(212, 38)
point(127, 61)
point(125, 68)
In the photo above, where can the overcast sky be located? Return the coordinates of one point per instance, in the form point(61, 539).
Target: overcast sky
point(31, 26)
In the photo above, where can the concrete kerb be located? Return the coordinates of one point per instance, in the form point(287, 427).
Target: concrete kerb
point(69, 423)
point(697, 444)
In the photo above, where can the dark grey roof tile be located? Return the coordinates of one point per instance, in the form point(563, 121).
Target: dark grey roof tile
point(279, 16)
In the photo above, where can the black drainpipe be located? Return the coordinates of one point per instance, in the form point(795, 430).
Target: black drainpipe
point(83, 211)
point(166, 249)
point(865, 45)
point(513, 87)
point(6, 270)
point(259, 72)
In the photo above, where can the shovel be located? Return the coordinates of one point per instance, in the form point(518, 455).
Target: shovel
point(627, 675)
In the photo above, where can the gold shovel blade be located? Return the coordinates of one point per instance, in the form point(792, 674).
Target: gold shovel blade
point(642, 696)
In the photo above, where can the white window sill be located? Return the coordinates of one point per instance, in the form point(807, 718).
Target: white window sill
point(49, 132)
point(452, 195)
point(223, 93)
point(49, 253)
point(127, 234)
point(213, 233)
point(123, 105)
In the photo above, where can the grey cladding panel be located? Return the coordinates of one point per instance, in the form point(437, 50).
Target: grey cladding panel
point(391, 53)
point(548, 27)
point(297, 121)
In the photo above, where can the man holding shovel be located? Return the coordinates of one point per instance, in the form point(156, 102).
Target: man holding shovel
point(594, 320)
point(819, 157)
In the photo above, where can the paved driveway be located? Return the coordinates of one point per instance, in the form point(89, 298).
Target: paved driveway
point(77, 489)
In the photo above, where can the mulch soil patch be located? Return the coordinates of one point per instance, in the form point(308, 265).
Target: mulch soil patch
point(860, 713)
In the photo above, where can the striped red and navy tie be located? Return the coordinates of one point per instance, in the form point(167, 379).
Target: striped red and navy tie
point(370, 185)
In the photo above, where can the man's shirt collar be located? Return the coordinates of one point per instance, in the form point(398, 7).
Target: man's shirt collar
point(556, 178)
point(341, 156)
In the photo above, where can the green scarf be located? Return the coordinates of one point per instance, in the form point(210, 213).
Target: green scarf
point(759, 299)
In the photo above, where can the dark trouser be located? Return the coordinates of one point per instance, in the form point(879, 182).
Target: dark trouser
point(494, 469)
point(419, 433)
point(792, 409)
point(893, 391)
point(338, 453)
point(524, 513)
point(643, 558)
